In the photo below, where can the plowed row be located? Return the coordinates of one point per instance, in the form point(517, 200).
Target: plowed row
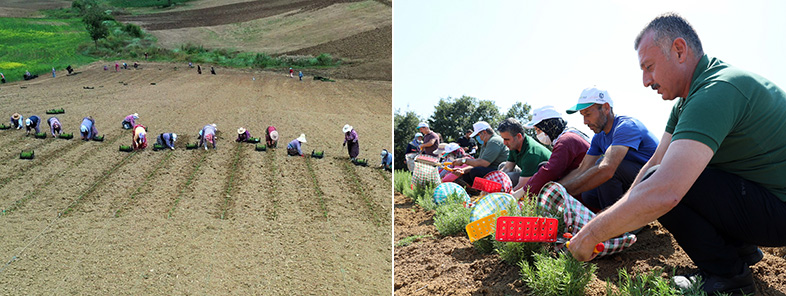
point(84, 218)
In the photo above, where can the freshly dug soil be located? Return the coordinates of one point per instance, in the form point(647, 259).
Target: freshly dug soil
point(452, 266)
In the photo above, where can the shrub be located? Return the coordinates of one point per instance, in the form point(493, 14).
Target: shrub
point(563, 275)
point(133, 30)
point(401, 181)
point(423, 196)
point(484, 245)
point(451, 219)
point(649, 283)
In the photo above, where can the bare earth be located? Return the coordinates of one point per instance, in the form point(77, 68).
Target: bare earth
point(150, 222)
point(451, 266)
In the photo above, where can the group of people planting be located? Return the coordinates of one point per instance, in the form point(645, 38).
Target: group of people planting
point(716, 180)
point(87, 128)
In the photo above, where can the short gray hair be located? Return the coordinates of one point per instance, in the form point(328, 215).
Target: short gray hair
point(668, 27)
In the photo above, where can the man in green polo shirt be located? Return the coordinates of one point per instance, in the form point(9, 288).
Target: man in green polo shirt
point(717, 180)
point(492, 153)
point(523, 151)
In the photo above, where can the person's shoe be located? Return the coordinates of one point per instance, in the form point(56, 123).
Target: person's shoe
point(750, 254)
point(741, 284)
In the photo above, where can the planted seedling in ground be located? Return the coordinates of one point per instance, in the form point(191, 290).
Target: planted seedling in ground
point(556, 276)
point(412, 239)
point(320, 194)
point(147, 179)
point(186, 185)
point(273, 185)
point(224, 208)
point(356, 186)
point(93, 187)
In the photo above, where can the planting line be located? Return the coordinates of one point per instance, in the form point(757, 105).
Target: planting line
point(320, 194)
point(188, 182)
point(274, 185)
point(20, 202)
point(35, 146)
point(224, 208)
point(352, 176)
point(96, 183)
point(61, 213)
point(147, 178)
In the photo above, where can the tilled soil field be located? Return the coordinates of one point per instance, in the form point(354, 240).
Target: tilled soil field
point(85, 218)
point(436, 265)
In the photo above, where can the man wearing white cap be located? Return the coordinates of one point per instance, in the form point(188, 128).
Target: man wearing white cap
point(569, 146)
point(351, 137)
point(620, 147)
point(523, 152)
point(293, 148)
point(492, 153)
point(430, 139)
point(31, 123)
point(271, 136)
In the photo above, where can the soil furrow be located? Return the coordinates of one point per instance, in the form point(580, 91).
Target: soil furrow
point(130, 200)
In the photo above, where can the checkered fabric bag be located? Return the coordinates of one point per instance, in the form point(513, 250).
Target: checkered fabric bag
point(490, 204)
point(443, 190)
point(554, 196)
point(424, 174)
point(501, 178)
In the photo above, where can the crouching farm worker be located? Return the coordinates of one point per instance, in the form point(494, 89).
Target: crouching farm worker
point(31, 123)
point(130, 121)
point(720, 187)
point(351, 141)
point(387, 159)
point(88, 128)
point(271, 137)
point(208, 135)
point(167, 140)
point(54, 126)
point(242, 135)
point(17, 121)
point(140, 137)
point(293, 148)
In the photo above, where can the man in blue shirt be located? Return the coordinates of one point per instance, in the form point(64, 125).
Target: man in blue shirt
point(620, 147)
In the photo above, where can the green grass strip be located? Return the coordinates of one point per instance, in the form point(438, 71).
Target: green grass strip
point(320, 194)
point(357, 186)
point(188, 182)
point(230, 183)
point(96, 183)
point(147, 179)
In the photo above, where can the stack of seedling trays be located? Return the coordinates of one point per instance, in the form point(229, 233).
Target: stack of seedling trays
point(317, 154)
point(27, 154)
point(192, 146)
point(126, 148)
point(4, 127)
point(40, 135)
point(360, 162)
point(55, 111)
point(66, 136)
point(260, 147)
point(98, 138)
point(252, 140)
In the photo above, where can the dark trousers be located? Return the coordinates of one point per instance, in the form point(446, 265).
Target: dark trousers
point(353, 148)
point(476, 172)
point(723, 217)
point(292, 152)
point(609, 192)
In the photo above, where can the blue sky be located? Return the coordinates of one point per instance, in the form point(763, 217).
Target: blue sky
point(547, 52)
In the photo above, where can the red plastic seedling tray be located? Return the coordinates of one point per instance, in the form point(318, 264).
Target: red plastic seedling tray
point(486, 185)
point(526, 229)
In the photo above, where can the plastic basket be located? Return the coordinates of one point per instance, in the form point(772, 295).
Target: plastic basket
point(486, 185)
point(526, 229)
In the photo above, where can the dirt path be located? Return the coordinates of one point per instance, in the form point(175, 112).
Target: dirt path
point(150, 222)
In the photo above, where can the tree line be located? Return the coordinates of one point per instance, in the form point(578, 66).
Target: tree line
point(451, 118)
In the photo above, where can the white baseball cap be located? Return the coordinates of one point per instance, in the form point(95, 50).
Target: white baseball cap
point(590, 96)
point(479, 126)
point(422, 124)
point(542, 113)
point(450, 148)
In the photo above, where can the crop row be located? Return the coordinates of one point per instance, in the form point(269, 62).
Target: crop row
point(144, 183)
point(229, 186)
point(357, 186)
point(320, 194)
point(273, 214)
point(190, 179)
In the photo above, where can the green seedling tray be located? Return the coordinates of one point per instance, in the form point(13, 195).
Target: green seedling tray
point(27, 154)
point(66, 136)
point(126, 148)
point(55, 111)
point(317, 154)
point(192, 146)
point(260, 147)
point(98, 138)
point(4, 127)
point(253, 140)
point(360, 162)
point(40, 136)
point(157, 147)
